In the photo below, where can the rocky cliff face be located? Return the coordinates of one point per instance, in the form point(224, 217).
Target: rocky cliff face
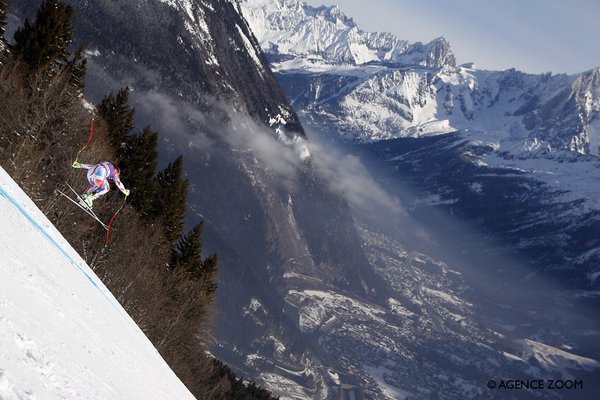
point(569, 120)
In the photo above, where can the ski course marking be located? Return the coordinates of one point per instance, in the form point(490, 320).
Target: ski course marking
point(8, 196)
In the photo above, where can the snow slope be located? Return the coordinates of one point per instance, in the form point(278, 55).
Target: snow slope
point(62, 334)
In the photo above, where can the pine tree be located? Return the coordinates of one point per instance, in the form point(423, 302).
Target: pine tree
point(170, 198)
point(46, 41)
point(119, 117)
point(187, 256)
point(138, 161)
point(76, 68)
point(3, 15)
point(208, 274)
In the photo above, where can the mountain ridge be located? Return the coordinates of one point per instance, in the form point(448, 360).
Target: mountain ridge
point(288, 27)
point(423, 93)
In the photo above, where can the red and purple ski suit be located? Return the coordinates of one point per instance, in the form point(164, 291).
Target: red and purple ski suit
point(98, 176)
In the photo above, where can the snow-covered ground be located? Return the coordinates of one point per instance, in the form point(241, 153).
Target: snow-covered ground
point(62, 334)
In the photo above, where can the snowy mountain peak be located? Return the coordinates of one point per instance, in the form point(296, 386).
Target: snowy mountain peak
point(589, 82)
point(288, 28)
point(586, 90)
point(333, 14)
point(436, 53)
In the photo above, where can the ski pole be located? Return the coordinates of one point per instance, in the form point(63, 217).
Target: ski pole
point(89, 139)
point(112, 220)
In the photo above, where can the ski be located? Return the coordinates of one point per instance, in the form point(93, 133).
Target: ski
point(88, 211)
point(85, 206)
point(82, 202)
point(85, 209)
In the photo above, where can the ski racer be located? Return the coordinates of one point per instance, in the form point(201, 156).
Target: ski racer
point(98, 176)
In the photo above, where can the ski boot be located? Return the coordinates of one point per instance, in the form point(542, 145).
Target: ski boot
point(86, 200)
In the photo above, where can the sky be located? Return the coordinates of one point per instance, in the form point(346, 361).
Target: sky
point(531, 35)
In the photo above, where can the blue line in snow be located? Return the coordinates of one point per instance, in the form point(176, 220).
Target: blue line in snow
point(52, 240)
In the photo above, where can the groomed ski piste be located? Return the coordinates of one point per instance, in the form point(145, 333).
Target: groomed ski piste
point(62, 333)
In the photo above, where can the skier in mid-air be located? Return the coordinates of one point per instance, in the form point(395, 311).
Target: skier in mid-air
point(98, 176)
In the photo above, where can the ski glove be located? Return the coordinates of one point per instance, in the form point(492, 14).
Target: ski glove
point(76, 164)
point(127, 192)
